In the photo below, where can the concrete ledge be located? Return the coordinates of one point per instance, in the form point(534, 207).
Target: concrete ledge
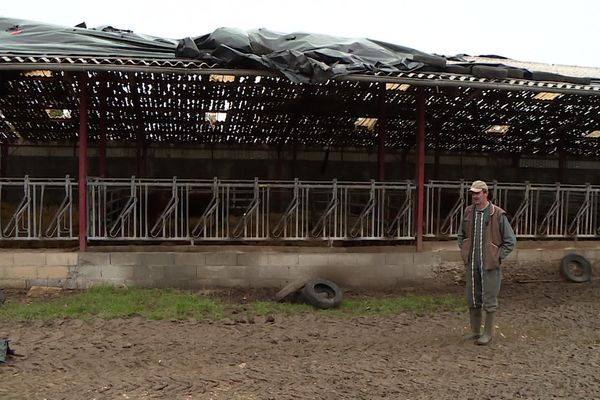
point(264, 266)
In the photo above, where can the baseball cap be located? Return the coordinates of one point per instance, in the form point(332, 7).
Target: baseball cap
point(478, 186)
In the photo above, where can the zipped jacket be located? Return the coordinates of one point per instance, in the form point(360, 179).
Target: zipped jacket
point(498, 237)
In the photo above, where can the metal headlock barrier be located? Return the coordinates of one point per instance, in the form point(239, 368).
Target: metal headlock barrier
point(534, 210)
point(194, 211)
point(35, 209)
point(203, 210)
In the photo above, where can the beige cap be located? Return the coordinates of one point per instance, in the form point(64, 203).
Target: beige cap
point(478, 186)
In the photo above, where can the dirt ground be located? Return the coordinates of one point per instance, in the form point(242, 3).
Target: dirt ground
point(547, 346)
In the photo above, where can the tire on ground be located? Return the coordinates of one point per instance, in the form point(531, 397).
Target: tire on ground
point(322, 293)
point(288, 291)
point(583, 270)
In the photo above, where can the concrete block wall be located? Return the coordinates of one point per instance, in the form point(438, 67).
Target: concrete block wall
point(264, 267)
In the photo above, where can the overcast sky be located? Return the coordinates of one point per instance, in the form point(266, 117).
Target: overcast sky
point(549, 31)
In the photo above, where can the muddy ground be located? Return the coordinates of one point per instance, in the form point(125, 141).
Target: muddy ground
point(547, 346)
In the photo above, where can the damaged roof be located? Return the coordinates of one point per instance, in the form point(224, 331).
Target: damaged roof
point(262, 87)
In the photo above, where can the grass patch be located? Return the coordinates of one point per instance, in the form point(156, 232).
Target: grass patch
point(107, 302)
point(416, 304)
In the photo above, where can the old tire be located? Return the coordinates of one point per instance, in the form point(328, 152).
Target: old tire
point(576, 268)
point(322, 293)
point(290, 289)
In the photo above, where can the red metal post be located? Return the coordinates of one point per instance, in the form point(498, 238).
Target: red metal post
point(102, 128)
point(83, 136)
point(420, 167)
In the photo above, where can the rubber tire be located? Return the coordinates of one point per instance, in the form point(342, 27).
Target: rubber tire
point(287, 291)
point(2, 297)
point(582, 262)
point(313, 294)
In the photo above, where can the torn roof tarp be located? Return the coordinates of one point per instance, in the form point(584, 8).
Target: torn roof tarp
point(301, 57)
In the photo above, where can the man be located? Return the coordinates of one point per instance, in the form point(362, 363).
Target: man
point(485, 238)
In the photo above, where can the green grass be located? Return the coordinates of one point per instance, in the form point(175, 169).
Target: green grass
point(108, 303)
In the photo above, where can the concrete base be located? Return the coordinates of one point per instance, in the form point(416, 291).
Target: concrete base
point(259, 266)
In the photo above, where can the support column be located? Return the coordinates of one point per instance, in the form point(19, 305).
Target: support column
point(83, 136)
point(420, 168)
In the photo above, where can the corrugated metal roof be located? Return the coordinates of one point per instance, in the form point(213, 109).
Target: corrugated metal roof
point(180, 100)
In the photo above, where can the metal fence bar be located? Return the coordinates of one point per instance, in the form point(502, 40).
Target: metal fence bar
point(258, 210)
point(534, 210)
point(141, 209)
point(37, 209)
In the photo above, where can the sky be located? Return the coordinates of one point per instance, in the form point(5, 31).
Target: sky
point(548, 31)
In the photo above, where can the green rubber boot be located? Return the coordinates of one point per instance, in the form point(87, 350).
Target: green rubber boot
point(475, 317)
point(488, 332)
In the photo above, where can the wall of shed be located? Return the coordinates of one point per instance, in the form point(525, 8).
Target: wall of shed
point(195, 162)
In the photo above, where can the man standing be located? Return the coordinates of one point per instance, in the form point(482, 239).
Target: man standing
point(485, 238)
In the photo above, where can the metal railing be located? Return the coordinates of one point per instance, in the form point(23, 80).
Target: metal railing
point(227, 210)
point(34, 209)
point(202, 210)
point(534, 210)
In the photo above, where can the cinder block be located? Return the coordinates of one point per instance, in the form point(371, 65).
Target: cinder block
point(125, 259)
point(181, 272)
point(114, 272)
point(30, 259)
point(252, 259)
point(341, 259)
point(20, 272)
point(418, 272)
point(61, 258)
point(280, 272)
point(7, 258)
point(89, 272)
point(89, 258)
point(221, 271)
point(368, 260)
point(149, 272)
point(85, 283)
point(56, 282)
point(193, 259)
point(10, 283)
point(313, 259)
point(399, 259)
point(426, 259)
point(52, 271)
point(283, 259)
point(157, 258)
point(221, 259)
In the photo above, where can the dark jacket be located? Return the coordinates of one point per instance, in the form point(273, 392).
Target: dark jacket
point(498, 236)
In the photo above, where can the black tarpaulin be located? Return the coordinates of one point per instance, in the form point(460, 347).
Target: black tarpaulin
point(28, 38)
point(301, 57)
point(304, 57)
